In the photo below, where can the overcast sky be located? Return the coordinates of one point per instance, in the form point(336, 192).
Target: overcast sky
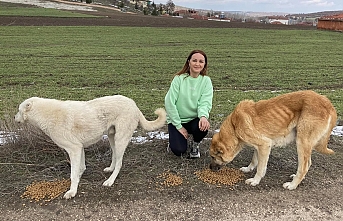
point(288, 6)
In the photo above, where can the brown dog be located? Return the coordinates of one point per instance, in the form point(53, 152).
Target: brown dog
point(304, 117)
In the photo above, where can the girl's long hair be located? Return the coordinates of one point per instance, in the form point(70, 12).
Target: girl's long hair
point(185, 68)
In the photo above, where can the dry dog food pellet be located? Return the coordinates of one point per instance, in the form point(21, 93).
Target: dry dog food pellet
point(46, 190)
point(170, 179)
point(225, 176)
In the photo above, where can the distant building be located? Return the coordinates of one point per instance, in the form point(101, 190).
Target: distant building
point(334, 22)
point(277, 20)
point(198, 17)
point(219, 17)
point(305, 21)
point(185, 13)
point(222, 15)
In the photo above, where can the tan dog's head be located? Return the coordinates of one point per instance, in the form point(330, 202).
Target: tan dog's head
point(24, 108)
point(223, 150)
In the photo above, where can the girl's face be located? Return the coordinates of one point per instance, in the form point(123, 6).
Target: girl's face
point(196, 64)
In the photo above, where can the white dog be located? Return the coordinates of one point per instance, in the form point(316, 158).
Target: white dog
point(74, 125)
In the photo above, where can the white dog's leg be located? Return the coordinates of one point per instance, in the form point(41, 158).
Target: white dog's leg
point(75, 155)
point(112, 143)
point(252, 165)
point(121, 142)
point(82, 163)
point(262, 157)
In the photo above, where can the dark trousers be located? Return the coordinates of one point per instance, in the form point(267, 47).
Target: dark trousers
point(178, 143)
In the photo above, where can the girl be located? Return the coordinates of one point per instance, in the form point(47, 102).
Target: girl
point(188, 103)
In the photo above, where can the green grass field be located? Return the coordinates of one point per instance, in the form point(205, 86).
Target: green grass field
point(83, 63)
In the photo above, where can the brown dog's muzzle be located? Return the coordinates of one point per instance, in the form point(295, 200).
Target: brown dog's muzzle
point(214, 166)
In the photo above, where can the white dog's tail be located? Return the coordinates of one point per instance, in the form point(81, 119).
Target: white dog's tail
point(156, 124)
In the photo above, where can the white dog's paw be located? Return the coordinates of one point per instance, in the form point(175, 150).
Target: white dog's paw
point(246, 169)
point(108, 169)
point(290, 186)
point(69, 194)
point(108, 183)
point(252, 181)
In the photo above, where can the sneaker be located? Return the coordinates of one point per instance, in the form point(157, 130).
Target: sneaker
point(195, 153)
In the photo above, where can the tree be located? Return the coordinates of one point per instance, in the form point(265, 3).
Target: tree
point(154, 9)
point(170, 6)
point(145, 10)
point(160, 9)
point(121, 4)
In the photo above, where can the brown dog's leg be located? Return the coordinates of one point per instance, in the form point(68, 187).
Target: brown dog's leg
point(262, 159)
point(322, 145)
point(252, 165)
point(304, 162)
point(309, 136)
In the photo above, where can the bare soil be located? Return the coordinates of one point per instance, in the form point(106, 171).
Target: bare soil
point(138, 192)
point(113, 17)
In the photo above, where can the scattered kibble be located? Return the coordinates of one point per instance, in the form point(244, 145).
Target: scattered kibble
point(170, 179)
point(45, 190)
point(225, 176)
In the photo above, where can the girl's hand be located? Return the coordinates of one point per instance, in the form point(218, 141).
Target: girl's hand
point(184, 132)
point(204, 124)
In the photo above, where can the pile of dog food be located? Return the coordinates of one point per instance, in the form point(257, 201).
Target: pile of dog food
point(226, 176)
point(170, 179)
point(46, 190)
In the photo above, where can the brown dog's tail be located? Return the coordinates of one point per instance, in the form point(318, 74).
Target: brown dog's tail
point(156, 124)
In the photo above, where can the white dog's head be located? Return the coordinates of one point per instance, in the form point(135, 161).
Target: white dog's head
point(24, 108)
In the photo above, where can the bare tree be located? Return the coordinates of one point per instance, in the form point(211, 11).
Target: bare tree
point(170, 6)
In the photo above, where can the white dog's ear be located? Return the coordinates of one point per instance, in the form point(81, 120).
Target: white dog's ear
point(28, 106)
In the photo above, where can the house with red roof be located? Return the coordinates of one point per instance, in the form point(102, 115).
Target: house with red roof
point(333, 22)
